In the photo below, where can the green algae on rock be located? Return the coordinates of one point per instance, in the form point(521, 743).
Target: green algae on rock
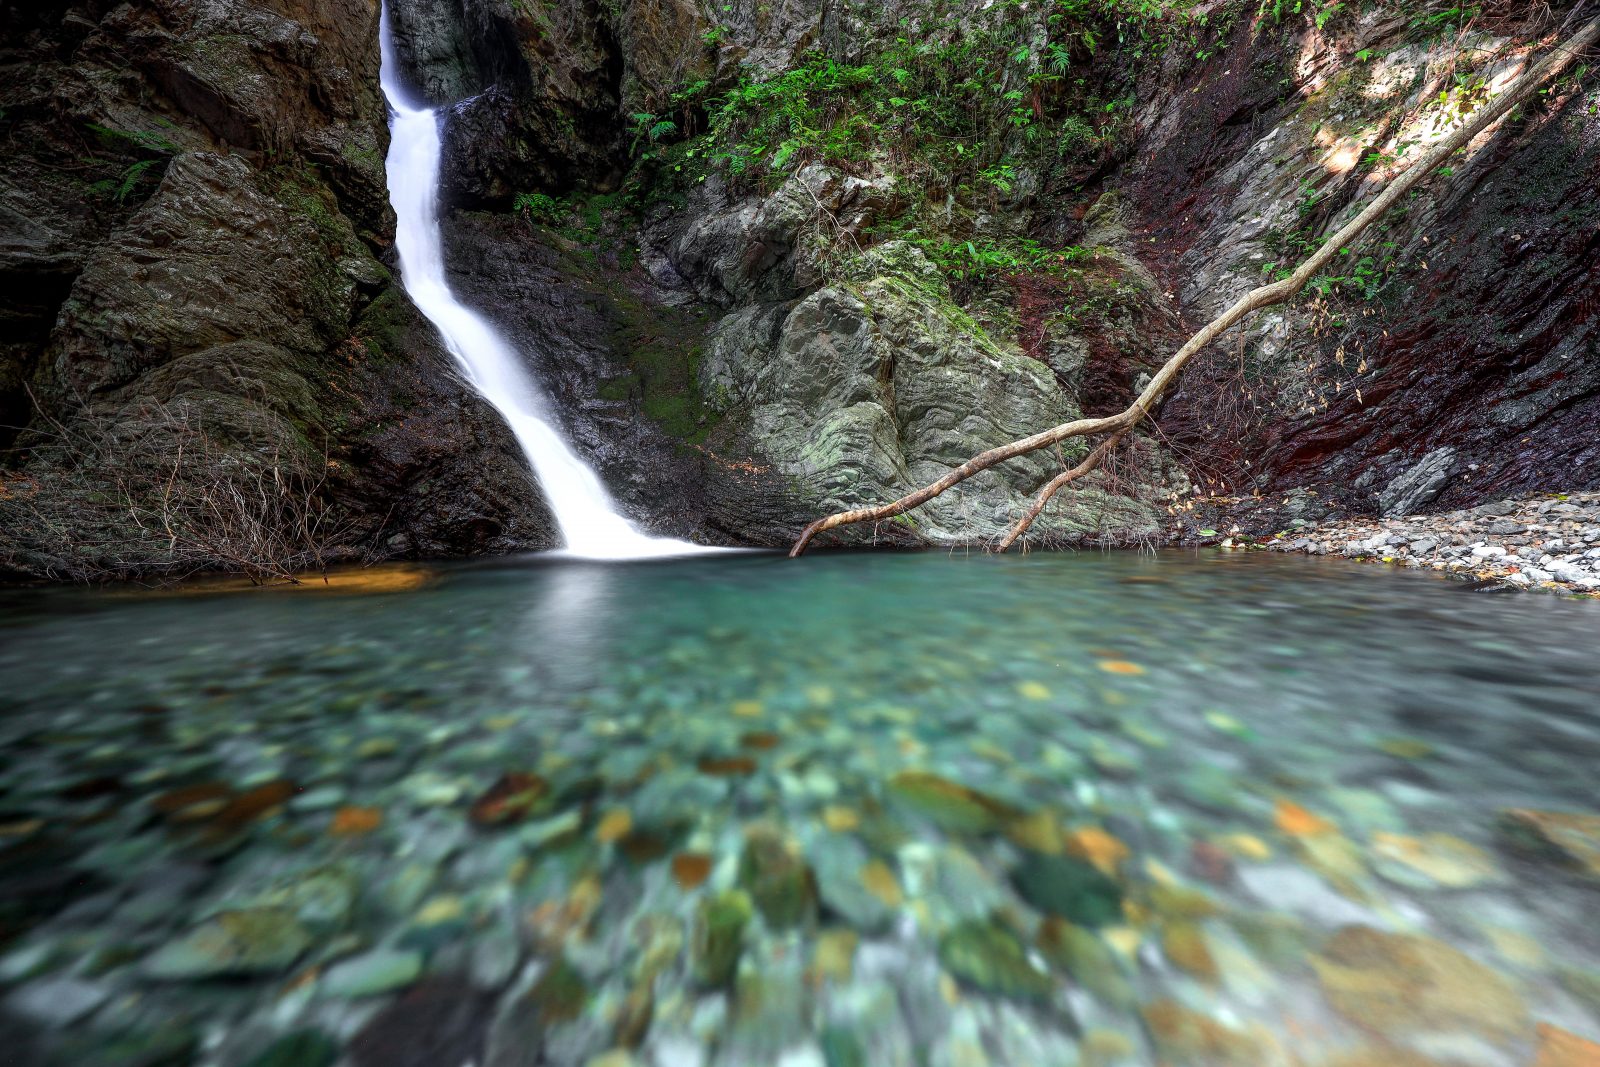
point(948, 805)
point(718, 938)
point(1088, 960)
point(773, 872)
point(989, 957)
point(559, 996)
point(303, 1048)
point(251, 941)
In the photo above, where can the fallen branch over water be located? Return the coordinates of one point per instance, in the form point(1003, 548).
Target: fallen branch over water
point(1118, 425)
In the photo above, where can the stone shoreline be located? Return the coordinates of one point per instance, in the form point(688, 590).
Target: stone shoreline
point(1547, 542)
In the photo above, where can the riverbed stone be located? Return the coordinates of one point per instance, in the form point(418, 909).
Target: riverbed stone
point(322, 898)
point(948, 805)
point(718, 938)
point(1562, 1048)
point(774, 872)
point(989, 957)
point(1405, 985)
point(1088, 960)
point(1184, 943)
point(840, 863)
point(245, 942)
point(512, 798)
point(58, 1001)
point(1433, 860)
point(1572, 838)
point(1185, 1036)
point(379, 971)
point(1069, 888)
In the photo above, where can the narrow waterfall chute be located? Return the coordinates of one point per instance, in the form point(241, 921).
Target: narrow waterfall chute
point(590, 524)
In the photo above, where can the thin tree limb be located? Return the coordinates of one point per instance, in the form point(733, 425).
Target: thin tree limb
point(1279, 292)
point(1056, 484)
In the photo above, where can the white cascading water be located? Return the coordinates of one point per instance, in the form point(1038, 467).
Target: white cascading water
point(590, 524)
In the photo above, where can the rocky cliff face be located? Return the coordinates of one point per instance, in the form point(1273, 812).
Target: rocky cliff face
point(1453, 358)
point(196, 225)
point(1458, 357)
point(779, 259)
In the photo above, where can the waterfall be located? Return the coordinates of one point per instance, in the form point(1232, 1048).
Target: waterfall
point(590, 525)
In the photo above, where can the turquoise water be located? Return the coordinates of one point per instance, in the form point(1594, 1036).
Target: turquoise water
point(857, 809)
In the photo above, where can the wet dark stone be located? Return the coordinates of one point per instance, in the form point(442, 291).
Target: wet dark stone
point(93, 788)
point(37, 880)
point(174, 801)
point(437, 1022)
point(254, 804)
point(559, 996)
point(1070, 888)
point(513, 797)
point(304, 1048)
point(646, 844)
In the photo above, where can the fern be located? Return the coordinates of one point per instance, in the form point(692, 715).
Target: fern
point(132, 176)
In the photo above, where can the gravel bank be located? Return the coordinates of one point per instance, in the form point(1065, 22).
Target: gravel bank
point(1546, 542)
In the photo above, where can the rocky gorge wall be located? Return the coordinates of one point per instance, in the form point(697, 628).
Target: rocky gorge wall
point(1464, 365)
point(760, 289)
point(197, 241)
point(1454, 360)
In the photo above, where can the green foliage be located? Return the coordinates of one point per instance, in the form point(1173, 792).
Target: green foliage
point(959, 101)
point(157, 145)
point(132, 176)
point(1449, 20)
point(536, 207)
point(977, 259)
point(649, 128)
point(149, 140)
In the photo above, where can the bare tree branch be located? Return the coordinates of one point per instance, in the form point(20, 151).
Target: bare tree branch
point(1056, 484)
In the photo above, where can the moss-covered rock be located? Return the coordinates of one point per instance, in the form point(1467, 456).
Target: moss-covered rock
point(718, 938)
point(775, 874)
point(991, 958)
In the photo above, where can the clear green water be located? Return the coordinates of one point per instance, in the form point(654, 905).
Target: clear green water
point(252, 828)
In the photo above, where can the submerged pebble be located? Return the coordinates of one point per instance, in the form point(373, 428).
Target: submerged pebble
point(963, 839)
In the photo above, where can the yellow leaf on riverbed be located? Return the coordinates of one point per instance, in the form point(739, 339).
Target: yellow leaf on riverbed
point(1296, 821)
point(1097, 847)
point(614, 826)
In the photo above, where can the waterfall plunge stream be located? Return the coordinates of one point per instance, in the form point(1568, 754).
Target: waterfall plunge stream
point(591, 527)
